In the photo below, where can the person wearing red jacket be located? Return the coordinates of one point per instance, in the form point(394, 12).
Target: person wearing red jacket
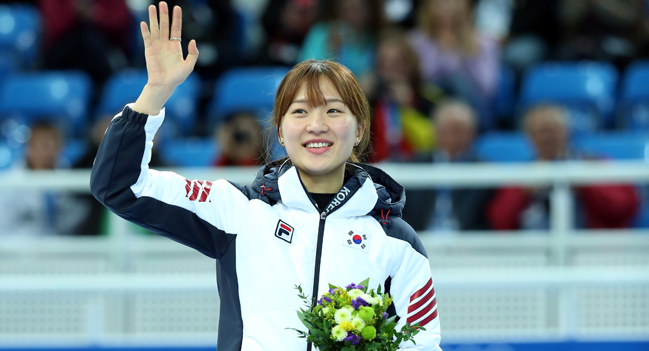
point(92, 36)
point(599, 206)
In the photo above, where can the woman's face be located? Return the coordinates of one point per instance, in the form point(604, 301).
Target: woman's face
point(319, 139)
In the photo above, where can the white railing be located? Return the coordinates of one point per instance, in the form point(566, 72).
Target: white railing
point(558, 244)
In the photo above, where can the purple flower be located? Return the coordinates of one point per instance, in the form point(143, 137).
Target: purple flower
point(358, 302)
point(354, 286)
point(385, 315)
point(353, 338)
point(325, 298)
point(332, 291)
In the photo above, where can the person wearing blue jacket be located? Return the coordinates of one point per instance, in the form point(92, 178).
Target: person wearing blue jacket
point(315, 218)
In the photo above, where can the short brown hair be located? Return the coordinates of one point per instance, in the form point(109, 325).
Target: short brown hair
point(309, 72)
point(556, 111)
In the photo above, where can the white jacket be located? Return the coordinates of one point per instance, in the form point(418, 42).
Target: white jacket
point(270, 236)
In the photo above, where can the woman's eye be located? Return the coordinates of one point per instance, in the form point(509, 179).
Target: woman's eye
point(334, 110)
point(299, 111)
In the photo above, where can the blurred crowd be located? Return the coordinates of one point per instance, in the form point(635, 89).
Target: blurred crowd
point(431, 70)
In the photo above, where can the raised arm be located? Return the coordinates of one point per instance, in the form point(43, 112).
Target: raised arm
point(203, 215)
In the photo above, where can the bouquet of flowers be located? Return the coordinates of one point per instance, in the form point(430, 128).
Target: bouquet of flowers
point(352, 318)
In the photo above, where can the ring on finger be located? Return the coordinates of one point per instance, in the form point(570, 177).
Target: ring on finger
point(175, 39)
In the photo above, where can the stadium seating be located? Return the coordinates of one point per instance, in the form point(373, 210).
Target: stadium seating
point(614, 145)
point(506, 94)
point(63, 96)
point(247, 89)
point(7, 64)
point(634, 96)
point(20, 31)
point(192, 152)
point(504, 147)
point(181, 109)
point(587, 89)
point(73, 150)
point(8, 155)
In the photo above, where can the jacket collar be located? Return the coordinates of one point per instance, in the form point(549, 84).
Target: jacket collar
point(356, 198)
point(368, 191)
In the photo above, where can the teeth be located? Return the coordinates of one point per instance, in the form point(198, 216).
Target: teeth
point(317, 145)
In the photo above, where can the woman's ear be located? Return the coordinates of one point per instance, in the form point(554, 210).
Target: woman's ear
point(279, 136)
point(361, 131)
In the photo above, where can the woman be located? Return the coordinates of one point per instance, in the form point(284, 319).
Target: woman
point(402, 103)
point(454, 56)
point(292, 225)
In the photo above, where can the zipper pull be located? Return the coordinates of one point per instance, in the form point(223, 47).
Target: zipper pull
point(323, 215)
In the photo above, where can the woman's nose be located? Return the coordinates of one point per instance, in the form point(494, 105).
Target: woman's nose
point(317, 124)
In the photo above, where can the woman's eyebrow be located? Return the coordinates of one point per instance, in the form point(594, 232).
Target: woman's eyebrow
point(329, 101)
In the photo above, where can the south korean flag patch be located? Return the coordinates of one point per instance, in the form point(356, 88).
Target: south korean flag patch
point(358, 241)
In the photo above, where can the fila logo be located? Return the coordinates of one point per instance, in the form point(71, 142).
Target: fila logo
point(338, 199)
point(284, 231)
point(357, 241)
point(198, 189)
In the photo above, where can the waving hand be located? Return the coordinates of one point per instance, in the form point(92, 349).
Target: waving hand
point(165, 64)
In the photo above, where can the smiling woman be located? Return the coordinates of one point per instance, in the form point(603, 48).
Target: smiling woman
point(322, 119)
point(298, 221)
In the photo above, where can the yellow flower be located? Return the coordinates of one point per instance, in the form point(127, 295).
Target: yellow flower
point(347, 326)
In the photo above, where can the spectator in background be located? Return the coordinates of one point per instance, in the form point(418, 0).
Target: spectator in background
point(38, 212)
point(454, 56)
point(92, 36)
point(92, 215)
point(401, 103)
point(240, 140)
point(601, 30)
point(347, 34)
point(286, 23)
point(598, 206)
point(215, 27)
point(447, 210)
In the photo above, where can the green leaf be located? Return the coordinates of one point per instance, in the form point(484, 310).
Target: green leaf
point(365, 283)
point(331, 286)
point(320, 333)
point(391, 320)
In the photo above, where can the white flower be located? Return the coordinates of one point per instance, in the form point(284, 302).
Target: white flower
point(349, 308)
point(325, 310)
point(369, 299)
point(338, 333)
point(342, 315)
point(379, 300)
point(354, 293)
point(358, 324)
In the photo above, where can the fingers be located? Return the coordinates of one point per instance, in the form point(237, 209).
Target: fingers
point(164, 21)
point(177, 22)
point(146, 36)
point(192, 56)
point(153, 23)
